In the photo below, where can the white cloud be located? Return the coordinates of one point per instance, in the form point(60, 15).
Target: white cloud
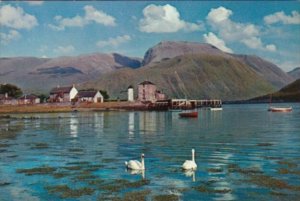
point(64, 50)
point(212, 39)
point(231, 31)
point(35, 2)
point(98, 16)
point(10, 36)
point(91, 15)
point(164, 19)
point(16, 18)
point(283, 18)
point(271, 47)
point(114, 42)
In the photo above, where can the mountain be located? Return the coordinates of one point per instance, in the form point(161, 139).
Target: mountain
point(295, 73)
point(40, 75)
point(289, 93)
point(191, 76)
point(267, 70)
point(169, 49)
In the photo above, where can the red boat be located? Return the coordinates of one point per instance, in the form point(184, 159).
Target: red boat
point(280, 109)
point(189, 114)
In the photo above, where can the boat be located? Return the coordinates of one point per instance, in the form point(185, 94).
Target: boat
point(280, 109)
point(188, 114)
point(216, 109)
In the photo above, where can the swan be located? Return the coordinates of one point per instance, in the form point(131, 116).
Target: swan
point(136, 165)
point(190, 164)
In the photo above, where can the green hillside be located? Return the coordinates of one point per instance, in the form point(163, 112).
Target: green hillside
point(289, 93)
point(190, 76)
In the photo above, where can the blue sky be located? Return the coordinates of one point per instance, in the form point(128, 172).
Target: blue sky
point(270, 29)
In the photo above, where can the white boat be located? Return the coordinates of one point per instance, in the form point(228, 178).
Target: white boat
point(216, 109)
point(280, 109)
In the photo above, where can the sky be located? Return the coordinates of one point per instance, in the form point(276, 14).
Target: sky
point(269, 29)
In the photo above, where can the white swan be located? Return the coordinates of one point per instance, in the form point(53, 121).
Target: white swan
point(136, 165)
point(190, 164)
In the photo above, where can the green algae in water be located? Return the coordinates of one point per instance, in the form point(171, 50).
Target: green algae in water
point(75, 167)
point(120, 184)
point(79, 163)
point(59, 175)
point(171, 197)
point(215, 170)
point(136, 195)
point(38, 170)
point(4, 183)
point(266, 144)
point(65, 191)
point(288, 171)
point(289, 164)
point(207, 189)
point(234, 168)
point(40, 145)
point(4, 145)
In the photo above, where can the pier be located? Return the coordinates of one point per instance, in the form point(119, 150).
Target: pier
point(184, 104)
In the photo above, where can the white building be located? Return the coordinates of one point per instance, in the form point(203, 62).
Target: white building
point(130, 94)
point(91, 96)
point(63, 94)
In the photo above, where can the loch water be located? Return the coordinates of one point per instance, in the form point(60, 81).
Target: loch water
point(243, 153)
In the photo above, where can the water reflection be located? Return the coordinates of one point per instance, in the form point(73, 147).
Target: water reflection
point(74, 126)
point(151, 122)
point(136, 172)
point(131, 125)
point(99, 122)
point(190, 173)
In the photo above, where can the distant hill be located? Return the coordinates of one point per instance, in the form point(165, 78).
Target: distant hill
point(295, 73)
point(181, 69)
point(167, 50)
point(190, 76)
point(289, 93)
point(40, 75)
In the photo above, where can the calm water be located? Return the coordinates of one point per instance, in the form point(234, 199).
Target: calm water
point(242, 152)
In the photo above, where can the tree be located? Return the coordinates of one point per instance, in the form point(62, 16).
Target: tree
point(43, 98)
point(11, 90)
point(104, 94)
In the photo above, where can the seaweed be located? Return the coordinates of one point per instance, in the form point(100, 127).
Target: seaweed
point(289, 164)
point(40, 145)
point(206, 189)
point(136, 195)
point(65, 191)
point(215, 170)
point(4, 183)
point(170, 197)
point(265, 144)
point(251, 170)
point(38, 170)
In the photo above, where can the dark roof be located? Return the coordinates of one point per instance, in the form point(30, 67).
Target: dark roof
point(29, 96)
point(130, 86)
point(58, 90)
point(146, 82)
point(89, 94)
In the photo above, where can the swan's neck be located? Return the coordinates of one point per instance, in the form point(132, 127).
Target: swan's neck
point(143, 163)
point(193, 156)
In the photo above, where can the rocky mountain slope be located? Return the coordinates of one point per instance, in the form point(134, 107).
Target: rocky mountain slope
point(295, 73)
point(191, 76)
point(40, 75)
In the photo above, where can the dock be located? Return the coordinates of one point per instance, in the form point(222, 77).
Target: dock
point(184, 104)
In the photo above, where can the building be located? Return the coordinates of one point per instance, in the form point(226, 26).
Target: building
point(29, 99)
point(7, 100)
point(160, 95)
point(130, 94)
point(91, 96)
point(147, 92)
point(63, 94)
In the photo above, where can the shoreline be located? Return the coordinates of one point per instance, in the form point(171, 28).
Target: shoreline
point(59, 108)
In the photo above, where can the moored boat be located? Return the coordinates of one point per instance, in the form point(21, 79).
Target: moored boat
point(280, 109)
point(216, 109)
point(189, 114)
